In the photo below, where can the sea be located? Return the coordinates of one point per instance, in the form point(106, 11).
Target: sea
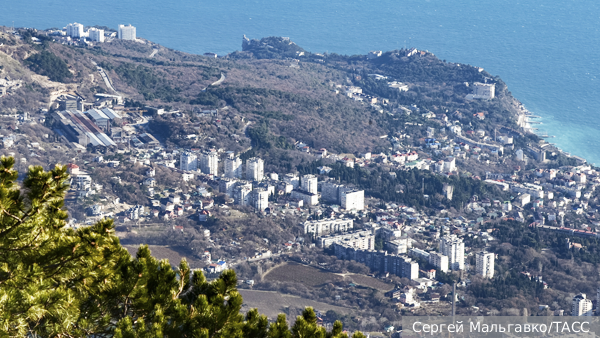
point(546, 52)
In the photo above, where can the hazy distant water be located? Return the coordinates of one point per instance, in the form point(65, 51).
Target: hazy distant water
point(546, 52)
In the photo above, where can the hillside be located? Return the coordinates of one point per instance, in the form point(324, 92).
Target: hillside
point(402, 130)
point(286, 99)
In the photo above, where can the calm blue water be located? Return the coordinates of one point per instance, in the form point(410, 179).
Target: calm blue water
point(546, 52)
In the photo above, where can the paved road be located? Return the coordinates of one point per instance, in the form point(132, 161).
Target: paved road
point(107, 80)
point(218, 82)
point(105, 77)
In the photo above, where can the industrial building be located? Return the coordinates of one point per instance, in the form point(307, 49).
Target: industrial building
point(81, 128)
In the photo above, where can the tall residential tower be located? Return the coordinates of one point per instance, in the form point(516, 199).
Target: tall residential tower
point(454, 248)
point(233, 167)
point(485, 264)
point(127, 32)
point(255, 169)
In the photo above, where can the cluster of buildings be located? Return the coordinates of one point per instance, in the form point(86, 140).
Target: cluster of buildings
point(85, 128)
point(76, 33)
point(7, 141)
point(82, 184)
point(553, 193)
point(206, 162)
point(247, 184)
point(103, 123)
point(76, 30)
point(380, 261)
point(174, 206)
point(399, 258)
point(8, 86)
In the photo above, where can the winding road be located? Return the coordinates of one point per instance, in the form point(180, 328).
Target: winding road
point(105, 77)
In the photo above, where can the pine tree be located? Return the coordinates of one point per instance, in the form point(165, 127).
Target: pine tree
point(57, 281)
point(45, 267)
point(279, 329)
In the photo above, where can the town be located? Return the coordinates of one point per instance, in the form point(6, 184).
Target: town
point(445, 235)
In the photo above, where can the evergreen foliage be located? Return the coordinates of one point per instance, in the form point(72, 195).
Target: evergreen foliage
point(47, 64)
point(57, 281)
point(426, 68)
point(406, 186)
point(151, 85)
point(272, 47)
point(262, 138)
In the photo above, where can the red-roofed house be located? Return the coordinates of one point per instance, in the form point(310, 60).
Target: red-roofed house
point(73, 169)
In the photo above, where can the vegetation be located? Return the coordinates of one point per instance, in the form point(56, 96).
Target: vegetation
point(63, 282)
point(48, 64)
point(407, 186)
point(272, 47)
point(263, 139)
point(147, 82)
point(426, 68)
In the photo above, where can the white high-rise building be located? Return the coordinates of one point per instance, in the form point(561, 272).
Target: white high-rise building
point(582, 306)
point(260, 199)
point(309, 183)
point(352, 199)
point(255, 169)
point(96, 34)
point(209, 163)
point(188, 161)
point(292, 179)
point(233, 167)
point(485, 264)
point(410, 268)
point(454, 248)
point(75, 30)
point(127, 32)
point(439, 261)
point(242, 194)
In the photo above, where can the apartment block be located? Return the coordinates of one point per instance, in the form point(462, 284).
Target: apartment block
point(328, 226)
point(454, 248)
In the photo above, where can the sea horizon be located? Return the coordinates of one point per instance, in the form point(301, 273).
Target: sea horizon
point(543, 55)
